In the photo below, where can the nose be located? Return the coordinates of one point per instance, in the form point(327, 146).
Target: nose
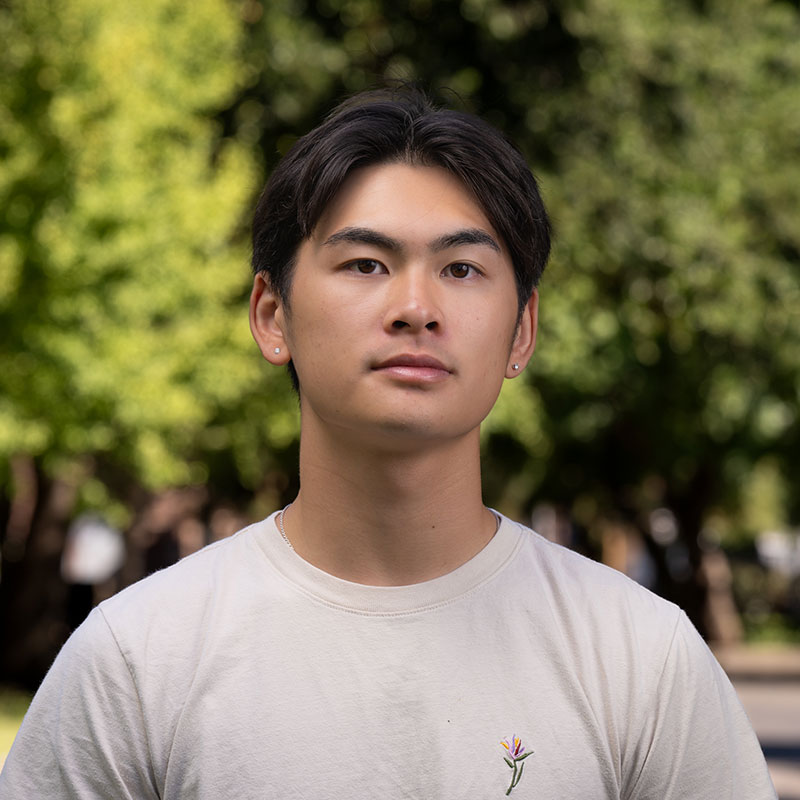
point(413, 304)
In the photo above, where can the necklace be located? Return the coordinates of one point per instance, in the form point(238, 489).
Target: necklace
point(280, 526)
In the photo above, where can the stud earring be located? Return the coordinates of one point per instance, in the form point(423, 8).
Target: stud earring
point(515, 366)
point(277, 350)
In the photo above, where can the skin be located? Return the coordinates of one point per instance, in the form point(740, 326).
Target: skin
point(402, 326)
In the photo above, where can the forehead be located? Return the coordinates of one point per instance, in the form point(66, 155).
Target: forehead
point(413, 203)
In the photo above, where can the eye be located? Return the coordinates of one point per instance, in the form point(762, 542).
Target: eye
point(366, 266)
point(461, 271)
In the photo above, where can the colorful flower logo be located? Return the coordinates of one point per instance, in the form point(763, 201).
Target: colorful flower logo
point(515, 754)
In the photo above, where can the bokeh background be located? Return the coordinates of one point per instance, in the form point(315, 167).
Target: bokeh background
point(657, 428)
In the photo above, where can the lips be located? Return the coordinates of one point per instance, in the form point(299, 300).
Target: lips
point(404, 360)
point(419, 367)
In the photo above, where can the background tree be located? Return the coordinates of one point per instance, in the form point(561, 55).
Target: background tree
point(122, 274)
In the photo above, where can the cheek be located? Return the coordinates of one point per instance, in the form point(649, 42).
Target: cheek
point(493, 338)
point(326, 340)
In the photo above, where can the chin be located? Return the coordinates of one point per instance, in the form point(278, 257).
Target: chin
point(407, 433)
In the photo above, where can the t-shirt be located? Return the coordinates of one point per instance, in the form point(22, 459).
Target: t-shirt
point(245, 672)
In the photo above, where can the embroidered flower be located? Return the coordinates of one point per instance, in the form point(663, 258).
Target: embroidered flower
point(516, 753)
point(514, 746)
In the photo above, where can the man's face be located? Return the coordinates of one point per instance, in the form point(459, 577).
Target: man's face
point(403, 310)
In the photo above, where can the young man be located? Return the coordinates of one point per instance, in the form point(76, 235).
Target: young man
point(386, 635)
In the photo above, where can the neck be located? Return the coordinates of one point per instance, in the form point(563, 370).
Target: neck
point(388, 516)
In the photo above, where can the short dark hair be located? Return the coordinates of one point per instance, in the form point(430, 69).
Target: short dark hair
point(399, 125)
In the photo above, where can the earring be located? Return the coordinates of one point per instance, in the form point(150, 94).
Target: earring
point(515, 366)
point(277, 350)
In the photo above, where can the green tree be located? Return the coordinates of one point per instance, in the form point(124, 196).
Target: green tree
point(122, 270)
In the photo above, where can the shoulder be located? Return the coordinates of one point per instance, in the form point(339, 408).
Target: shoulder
point(176, 612)
point(194, 581)
point(595, 613)
point(645, 669)
point(587, 586)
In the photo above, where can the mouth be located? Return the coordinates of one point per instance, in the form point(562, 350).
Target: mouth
point(414, 368)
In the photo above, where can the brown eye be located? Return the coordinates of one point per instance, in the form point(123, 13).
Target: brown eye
point(460, 270)
point(366, 266)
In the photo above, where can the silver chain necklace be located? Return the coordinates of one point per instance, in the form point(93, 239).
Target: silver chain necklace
point(280, 526)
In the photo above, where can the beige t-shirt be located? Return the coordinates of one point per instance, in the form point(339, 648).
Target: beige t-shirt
point(245, 672)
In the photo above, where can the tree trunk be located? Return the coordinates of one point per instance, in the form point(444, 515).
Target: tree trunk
point(33, 596)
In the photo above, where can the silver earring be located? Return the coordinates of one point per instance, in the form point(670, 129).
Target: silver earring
point(277, 350)
point(515, 366)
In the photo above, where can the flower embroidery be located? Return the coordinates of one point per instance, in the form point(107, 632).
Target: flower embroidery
point(516, 753)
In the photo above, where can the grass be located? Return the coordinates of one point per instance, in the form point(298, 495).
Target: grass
point(13, 705)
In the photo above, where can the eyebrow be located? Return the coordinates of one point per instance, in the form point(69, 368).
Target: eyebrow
point(364, 236)
point(462, 237)
point(466, 236)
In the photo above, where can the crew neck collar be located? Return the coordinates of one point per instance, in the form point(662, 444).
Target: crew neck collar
point(388, 600)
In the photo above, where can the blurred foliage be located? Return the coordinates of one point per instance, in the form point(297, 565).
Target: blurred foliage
point(123, 263)
point(134, 139)
point(13, 705)
point(676, 193)
point(770, 602)
point(764, 499)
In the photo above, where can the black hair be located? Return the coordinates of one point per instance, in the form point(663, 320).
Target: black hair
point(399, 126)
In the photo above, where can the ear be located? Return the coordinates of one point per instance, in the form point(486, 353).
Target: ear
point(525, 338)
point(267, 321)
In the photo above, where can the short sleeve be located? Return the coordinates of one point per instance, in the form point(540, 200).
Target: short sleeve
point(696, 741)
point(84, 734)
